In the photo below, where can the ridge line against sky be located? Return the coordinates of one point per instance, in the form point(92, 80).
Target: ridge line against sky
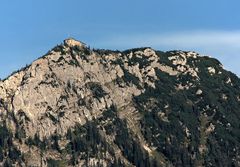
point(211, 43)
point(223, 45)
point(30, 28)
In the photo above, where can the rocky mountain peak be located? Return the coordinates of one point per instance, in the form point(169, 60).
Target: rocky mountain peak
point(71, 42)
point(77, 106)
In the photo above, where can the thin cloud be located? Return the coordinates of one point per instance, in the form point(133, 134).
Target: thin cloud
point(182, 39)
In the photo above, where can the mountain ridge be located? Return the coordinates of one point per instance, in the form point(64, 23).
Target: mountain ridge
point(77, 106)
point(86, 45)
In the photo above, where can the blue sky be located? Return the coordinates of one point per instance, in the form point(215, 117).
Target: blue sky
point(28, 29)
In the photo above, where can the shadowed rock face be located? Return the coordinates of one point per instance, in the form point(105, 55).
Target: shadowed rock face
point(81, 107)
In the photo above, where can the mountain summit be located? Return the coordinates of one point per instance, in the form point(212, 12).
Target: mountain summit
point(77, 106)
point(71, 42)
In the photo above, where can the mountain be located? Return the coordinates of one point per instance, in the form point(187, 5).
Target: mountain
point(77, 106)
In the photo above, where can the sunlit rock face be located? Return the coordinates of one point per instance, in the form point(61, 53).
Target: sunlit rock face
point(72, 43)
point(77, 106)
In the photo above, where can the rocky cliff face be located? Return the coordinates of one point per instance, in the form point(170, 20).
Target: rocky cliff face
point(77, 106)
